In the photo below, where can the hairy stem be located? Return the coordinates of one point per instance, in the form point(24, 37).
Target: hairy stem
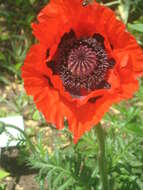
point(101, 157)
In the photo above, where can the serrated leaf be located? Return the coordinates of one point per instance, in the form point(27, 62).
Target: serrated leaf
point(57, 180)
point(66, 184)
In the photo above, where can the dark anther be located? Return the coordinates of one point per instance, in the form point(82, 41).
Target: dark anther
point(99, 38)
point(67, 37)
point(104, 85)
point(94, 99)
point(71, 34)
point(82, 64)
point(49, 80)
point(107, 85)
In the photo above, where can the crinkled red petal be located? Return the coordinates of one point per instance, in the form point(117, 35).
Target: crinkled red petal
point(57, 18)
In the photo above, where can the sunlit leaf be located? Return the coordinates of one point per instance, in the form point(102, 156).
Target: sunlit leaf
point(136, 27)
point(3, 174)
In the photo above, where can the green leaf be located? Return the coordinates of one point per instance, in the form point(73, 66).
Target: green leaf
point(57, 180)
point(3, 174)
point(29, 19)
point(36, 115)
point(4, 80)
point(135, 129)
point(2, 127)
point(2, 56)
point(66, 184)
point(2, 186)
point(124, 8)
point(137, 27)
point(112, 3)
point(32, 1)
point(140, 183)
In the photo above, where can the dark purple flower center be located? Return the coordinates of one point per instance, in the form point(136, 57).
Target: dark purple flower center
point(82, 64)
point(81, 61)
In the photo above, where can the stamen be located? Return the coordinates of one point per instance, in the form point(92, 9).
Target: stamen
point(82, 64)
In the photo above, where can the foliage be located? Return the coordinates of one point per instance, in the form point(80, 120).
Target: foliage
point(68, 166)
point(3, 174)
point(75, 167)
point(15, 34)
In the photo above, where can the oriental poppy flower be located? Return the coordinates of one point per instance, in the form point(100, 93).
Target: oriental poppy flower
point(84, 62)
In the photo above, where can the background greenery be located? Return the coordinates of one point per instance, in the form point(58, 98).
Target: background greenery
point(62, 165)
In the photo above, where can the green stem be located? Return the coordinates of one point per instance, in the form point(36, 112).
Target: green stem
point(23, 133)
point(112, 3)
point(101, 157)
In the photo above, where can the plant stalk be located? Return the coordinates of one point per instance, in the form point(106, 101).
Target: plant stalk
point(23, 133)
point(101, 157)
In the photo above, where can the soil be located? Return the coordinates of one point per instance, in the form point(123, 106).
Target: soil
point(22, 177)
